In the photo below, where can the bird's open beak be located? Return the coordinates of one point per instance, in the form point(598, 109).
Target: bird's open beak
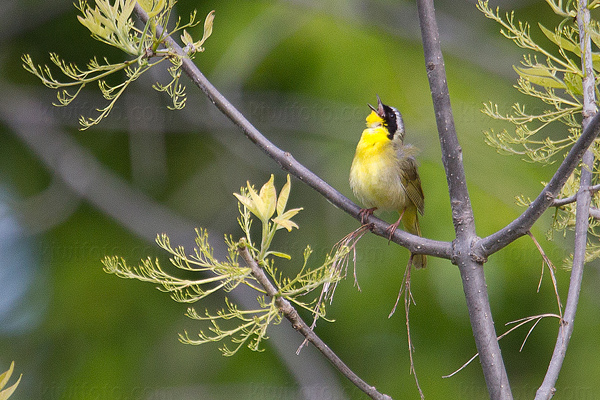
point(379, 110)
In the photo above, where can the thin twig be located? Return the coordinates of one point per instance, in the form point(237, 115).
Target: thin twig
point(573, 198)
point(408, 298)
point(339, 269)
point(298, 323)
point(350, 241)
point(521, 322)
point(461, 368)
point(551, 268)
point(403, 286)
point(529, 333)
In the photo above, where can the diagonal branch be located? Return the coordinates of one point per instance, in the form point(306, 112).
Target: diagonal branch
point(545, 199)
point(292, 315)
point(286, 161)
point(470, 267)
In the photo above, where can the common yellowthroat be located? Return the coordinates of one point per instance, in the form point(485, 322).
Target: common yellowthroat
point(384, 172)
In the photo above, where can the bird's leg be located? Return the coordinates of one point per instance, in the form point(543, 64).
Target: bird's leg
point(392, 228)
point(364, 213)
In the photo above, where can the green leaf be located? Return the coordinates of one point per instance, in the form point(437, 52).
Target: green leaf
point(5, 376)
point(246, 202)
point(574, 84)
point(280, 254)
point(152, 7)
point(208, 27)
point(268, 195)
point(285, 220)
point(125, 13)
point(285, 223)
point(560, 41)
point(594, 34)
point(261, 204)
point(540, 75)
point(283, 196)
point(596, 61)
point(186, 38)
point(5, 394)
point(258, 205)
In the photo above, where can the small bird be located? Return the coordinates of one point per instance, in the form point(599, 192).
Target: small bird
point(384, 172)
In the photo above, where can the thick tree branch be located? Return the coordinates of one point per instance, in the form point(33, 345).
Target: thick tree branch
point(286, 161)
point(471, 268)
point(291, 314)
point(584, 196)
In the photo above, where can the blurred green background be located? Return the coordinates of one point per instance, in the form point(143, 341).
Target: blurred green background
point(302, 71)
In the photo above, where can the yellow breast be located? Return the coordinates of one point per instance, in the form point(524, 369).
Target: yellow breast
point(374, 176)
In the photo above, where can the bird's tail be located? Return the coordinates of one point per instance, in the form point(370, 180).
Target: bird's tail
point(410, 220)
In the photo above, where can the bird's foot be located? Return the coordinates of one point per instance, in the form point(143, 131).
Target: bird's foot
point(391, 229)
point(364, 213)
